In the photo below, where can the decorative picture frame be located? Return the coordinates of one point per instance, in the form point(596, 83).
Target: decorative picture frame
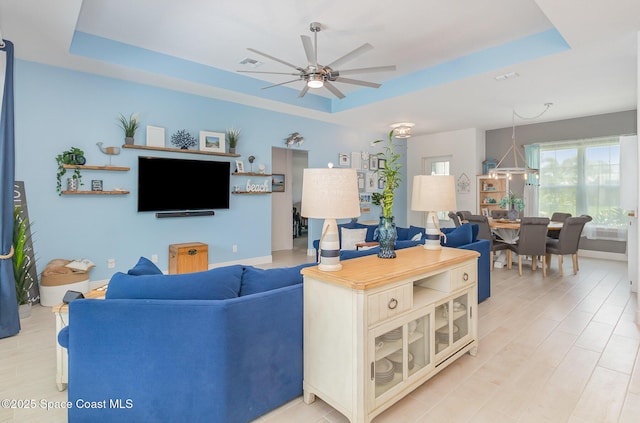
point(239, 166)
point(373, 162)
point(485, 211)
point(381, 183)
point(344, 159)
point(212, 141)
point(155, 136)
point(382, 163)
point(277, 182)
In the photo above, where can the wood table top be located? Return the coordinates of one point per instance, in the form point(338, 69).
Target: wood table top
point(371, 271)
point(515, 224)
point(97, 294)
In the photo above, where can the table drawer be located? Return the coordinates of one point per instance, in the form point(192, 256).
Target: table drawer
point(464, 275)
point(389, 303)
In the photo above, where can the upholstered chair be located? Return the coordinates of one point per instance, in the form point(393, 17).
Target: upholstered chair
point(557, 217)
point(568, 241)
point(484, 232)
point(499, 214)
point(532, 241)
point(456, 219)
point(464, 214)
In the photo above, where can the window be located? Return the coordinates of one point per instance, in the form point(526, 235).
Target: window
point(436, 166)
point(583, 177)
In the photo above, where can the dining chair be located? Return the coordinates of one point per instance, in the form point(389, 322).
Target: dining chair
point(463, 214)
point(499, 214)
point(568, 241)
point(532, 242)
point(484, 232)
point(456, 219)
point(557, 217)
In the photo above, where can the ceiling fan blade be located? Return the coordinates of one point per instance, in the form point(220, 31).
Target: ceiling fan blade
point(303, 91)
point(309, 50)
point(351, 55)
point(274, 58)
point(333, 89)
point(357, 82)
point(272, 73)
point(282, 83)
point(368, 70)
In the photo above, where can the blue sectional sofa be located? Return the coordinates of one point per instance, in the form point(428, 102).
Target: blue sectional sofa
point(224, 345)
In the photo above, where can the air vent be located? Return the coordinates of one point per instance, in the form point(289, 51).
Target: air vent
point(250, 62)
point(506, 76)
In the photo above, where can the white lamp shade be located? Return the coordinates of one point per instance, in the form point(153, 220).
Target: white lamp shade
point(330, 193)
point(433, 193)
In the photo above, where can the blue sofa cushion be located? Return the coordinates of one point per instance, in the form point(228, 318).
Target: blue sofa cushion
point(457, 237)
point(215, 284)
point(474, 232)
point(144, 266)
point(256, 280)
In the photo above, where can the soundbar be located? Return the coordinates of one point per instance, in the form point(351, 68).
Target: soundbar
point(185, 214)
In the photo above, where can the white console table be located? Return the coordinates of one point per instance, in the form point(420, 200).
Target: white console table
point(379, 328)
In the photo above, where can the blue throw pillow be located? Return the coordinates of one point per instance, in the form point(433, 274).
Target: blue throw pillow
point(403, 234)
point(474, 232)
point(415, 230)
point(144, 266)
point(215, 284)
point(457, 236)
point(371, 230)
point(256, 280)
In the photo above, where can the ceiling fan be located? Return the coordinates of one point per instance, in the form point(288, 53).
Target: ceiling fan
point(316, 75)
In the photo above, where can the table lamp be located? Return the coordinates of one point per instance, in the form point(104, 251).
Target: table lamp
point(433, 193)
point(330, 194)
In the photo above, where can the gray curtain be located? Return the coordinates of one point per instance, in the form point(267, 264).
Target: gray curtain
point(9, 320)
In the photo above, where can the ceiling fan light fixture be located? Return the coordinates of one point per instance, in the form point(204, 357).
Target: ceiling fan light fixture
point(315, 81)
point(402, 129)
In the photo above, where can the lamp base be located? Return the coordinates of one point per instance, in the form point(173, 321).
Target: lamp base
point(432, 232)
point(329, 247)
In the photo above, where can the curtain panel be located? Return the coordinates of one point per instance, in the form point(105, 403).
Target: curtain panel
point(9, 320)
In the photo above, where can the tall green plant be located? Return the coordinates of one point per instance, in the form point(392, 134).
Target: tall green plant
point(73, 156)
point(390, 172)
point(22, 263)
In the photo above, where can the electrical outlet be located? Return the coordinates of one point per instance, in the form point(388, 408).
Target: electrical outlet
point(111, 263)
point(235, 248)
point(154, 258)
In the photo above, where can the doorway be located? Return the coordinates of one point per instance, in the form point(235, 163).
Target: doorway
point(288, 229)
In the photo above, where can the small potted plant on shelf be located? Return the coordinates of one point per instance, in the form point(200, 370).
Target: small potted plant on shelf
point(390, 173)
point(73, 156)
point(233, 135)
point(129, 125)
point(22, 262)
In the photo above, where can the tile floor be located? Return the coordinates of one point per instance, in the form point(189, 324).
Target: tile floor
point(560, 349)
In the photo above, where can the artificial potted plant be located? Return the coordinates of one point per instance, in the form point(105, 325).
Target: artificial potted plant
point(390, 173)
point(233, 135)
point(513, 203)
point(73, 156)
point(22, 262)
point(129, 125)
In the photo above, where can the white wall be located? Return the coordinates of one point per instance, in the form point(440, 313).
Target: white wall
point(282, 202)
point(466, 146)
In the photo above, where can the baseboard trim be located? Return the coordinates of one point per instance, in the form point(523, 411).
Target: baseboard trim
point(602, 255)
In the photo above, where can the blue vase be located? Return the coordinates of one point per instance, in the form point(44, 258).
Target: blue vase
point(386, 235)
point(512, 214)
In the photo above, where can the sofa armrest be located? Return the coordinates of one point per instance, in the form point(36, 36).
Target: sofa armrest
point(483, 247)
point(63, 337)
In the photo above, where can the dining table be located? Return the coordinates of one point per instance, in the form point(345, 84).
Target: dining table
point(508, 230)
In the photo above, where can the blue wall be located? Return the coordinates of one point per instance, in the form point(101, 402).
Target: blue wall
point(57, 109)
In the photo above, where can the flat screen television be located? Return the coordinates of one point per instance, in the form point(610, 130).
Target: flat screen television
point(167, 185)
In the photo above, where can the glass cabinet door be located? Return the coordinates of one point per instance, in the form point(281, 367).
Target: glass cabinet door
point(453, 322)
point(400, 353)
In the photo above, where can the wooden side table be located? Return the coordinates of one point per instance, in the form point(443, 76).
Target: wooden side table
point(188, 257)
point(62, 319)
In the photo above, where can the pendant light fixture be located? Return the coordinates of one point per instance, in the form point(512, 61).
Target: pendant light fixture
point(524, 170)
